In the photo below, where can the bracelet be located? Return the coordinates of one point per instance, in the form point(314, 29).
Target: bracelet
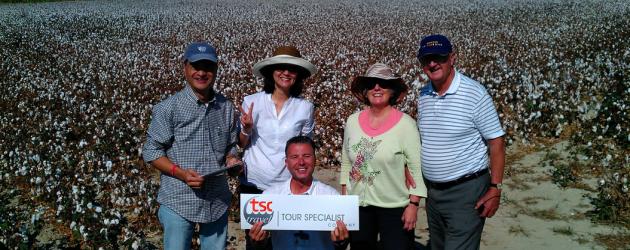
point(173, 168)
point(417, 203)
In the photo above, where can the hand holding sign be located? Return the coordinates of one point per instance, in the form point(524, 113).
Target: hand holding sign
point(340, 233)
point(257, 234)
point(300, 212)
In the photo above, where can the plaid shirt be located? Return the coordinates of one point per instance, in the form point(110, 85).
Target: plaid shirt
point(194, 136)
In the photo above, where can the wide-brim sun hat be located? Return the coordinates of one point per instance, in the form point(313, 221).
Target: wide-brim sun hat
point(285, 55)
point(378, 72)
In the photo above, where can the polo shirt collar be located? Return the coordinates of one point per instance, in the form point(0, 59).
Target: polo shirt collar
point(452, 89)
point(454, 84)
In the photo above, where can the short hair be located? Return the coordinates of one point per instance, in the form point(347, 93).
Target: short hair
point(270, 84)
point(300, 139)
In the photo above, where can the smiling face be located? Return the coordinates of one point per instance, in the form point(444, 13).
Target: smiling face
point(300, 162)
point(439, 68)
point(284, 77)
point(200, 75)
point(379, 95)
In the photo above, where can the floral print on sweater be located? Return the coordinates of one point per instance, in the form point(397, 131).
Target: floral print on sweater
point(360, 172)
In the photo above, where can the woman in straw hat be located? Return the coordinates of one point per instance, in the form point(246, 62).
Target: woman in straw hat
point(378, 143)
point(271, 117)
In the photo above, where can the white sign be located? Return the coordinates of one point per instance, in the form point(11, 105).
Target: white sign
point(299, 212)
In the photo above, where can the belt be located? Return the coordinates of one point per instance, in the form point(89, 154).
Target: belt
point(460, 180)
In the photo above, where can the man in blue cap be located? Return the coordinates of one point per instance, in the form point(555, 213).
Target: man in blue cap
point(463, 152)
point(191, 140)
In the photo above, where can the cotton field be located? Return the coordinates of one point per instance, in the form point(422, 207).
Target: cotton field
point(79, 80)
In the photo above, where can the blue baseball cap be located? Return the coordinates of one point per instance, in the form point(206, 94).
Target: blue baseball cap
point(200, 51)
point(434, 45)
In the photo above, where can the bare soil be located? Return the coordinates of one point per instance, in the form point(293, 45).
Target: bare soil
point(534, 214)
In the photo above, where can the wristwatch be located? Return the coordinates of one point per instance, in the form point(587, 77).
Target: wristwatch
point(498, 186)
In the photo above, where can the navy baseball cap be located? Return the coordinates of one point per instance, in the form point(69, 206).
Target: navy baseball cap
point(200, 51)
point(434, 45)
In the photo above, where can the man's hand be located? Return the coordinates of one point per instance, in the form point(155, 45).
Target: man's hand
point(489, 202)
point(409, 217)
point(257, 234)
point(232, 160)
point(192, 178)
point(411, 183)
point(340, 233)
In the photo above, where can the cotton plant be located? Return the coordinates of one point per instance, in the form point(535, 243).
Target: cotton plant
point(73, 125)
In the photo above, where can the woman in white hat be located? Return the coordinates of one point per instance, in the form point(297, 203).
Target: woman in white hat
point(378, 142)
point(273, 116)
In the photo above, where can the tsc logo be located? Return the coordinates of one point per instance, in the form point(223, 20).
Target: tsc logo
point(257, 210)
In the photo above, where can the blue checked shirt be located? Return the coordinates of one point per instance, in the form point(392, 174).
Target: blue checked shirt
point(194, 136)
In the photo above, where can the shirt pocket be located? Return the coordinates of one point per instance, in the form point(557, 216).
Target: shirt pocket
point(220, 138)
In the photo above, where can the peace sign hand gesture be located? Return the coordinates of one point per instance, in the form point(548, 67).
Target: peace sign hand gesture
point(246, 119)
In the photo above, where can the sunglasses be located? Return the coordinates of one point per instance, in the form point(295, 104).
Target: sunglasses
point(204, 65)
point(426, 60)
point(289, 67)
point(382, 83)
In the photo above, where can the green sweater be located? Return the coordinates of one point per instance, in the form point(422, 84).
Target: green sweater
point(374, 167)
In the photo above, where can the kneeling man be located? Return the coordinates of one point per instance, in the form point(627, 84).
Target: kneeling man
point(300, 161)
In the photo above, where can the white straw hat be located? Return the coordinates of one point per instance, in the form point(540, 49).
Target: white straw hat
point(285, 55)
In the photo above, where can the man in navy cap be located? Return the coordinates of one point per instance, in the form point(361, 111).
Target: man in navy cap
point(191, 140)
point(463, 152)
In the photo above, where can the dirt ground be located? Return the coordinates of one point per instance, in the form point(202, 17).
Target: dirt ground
point(534, 214)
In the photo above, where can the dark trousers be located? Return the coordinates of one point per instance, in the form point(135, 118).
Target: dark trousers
point(454, 223)
point(249, 245)
point(383, 222)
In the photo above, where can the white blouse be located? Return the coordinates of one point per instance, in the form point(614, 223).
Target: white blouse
point(264, 156)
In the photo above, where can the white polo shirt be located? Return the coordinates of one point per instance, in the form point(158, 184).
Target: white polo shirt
point(264, 156)
point(297, 239)
point(454, 129)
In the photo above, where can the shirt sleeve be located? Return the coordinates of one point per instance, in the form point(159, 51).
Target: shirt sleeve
point(309, 126)
point(160, 132)
point(234, 130)
point(345, 157)
point(486, 118)
point(411, 149)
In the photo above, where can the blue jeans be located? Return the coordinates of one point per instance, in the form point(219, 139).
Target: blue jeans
point(178, 231)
